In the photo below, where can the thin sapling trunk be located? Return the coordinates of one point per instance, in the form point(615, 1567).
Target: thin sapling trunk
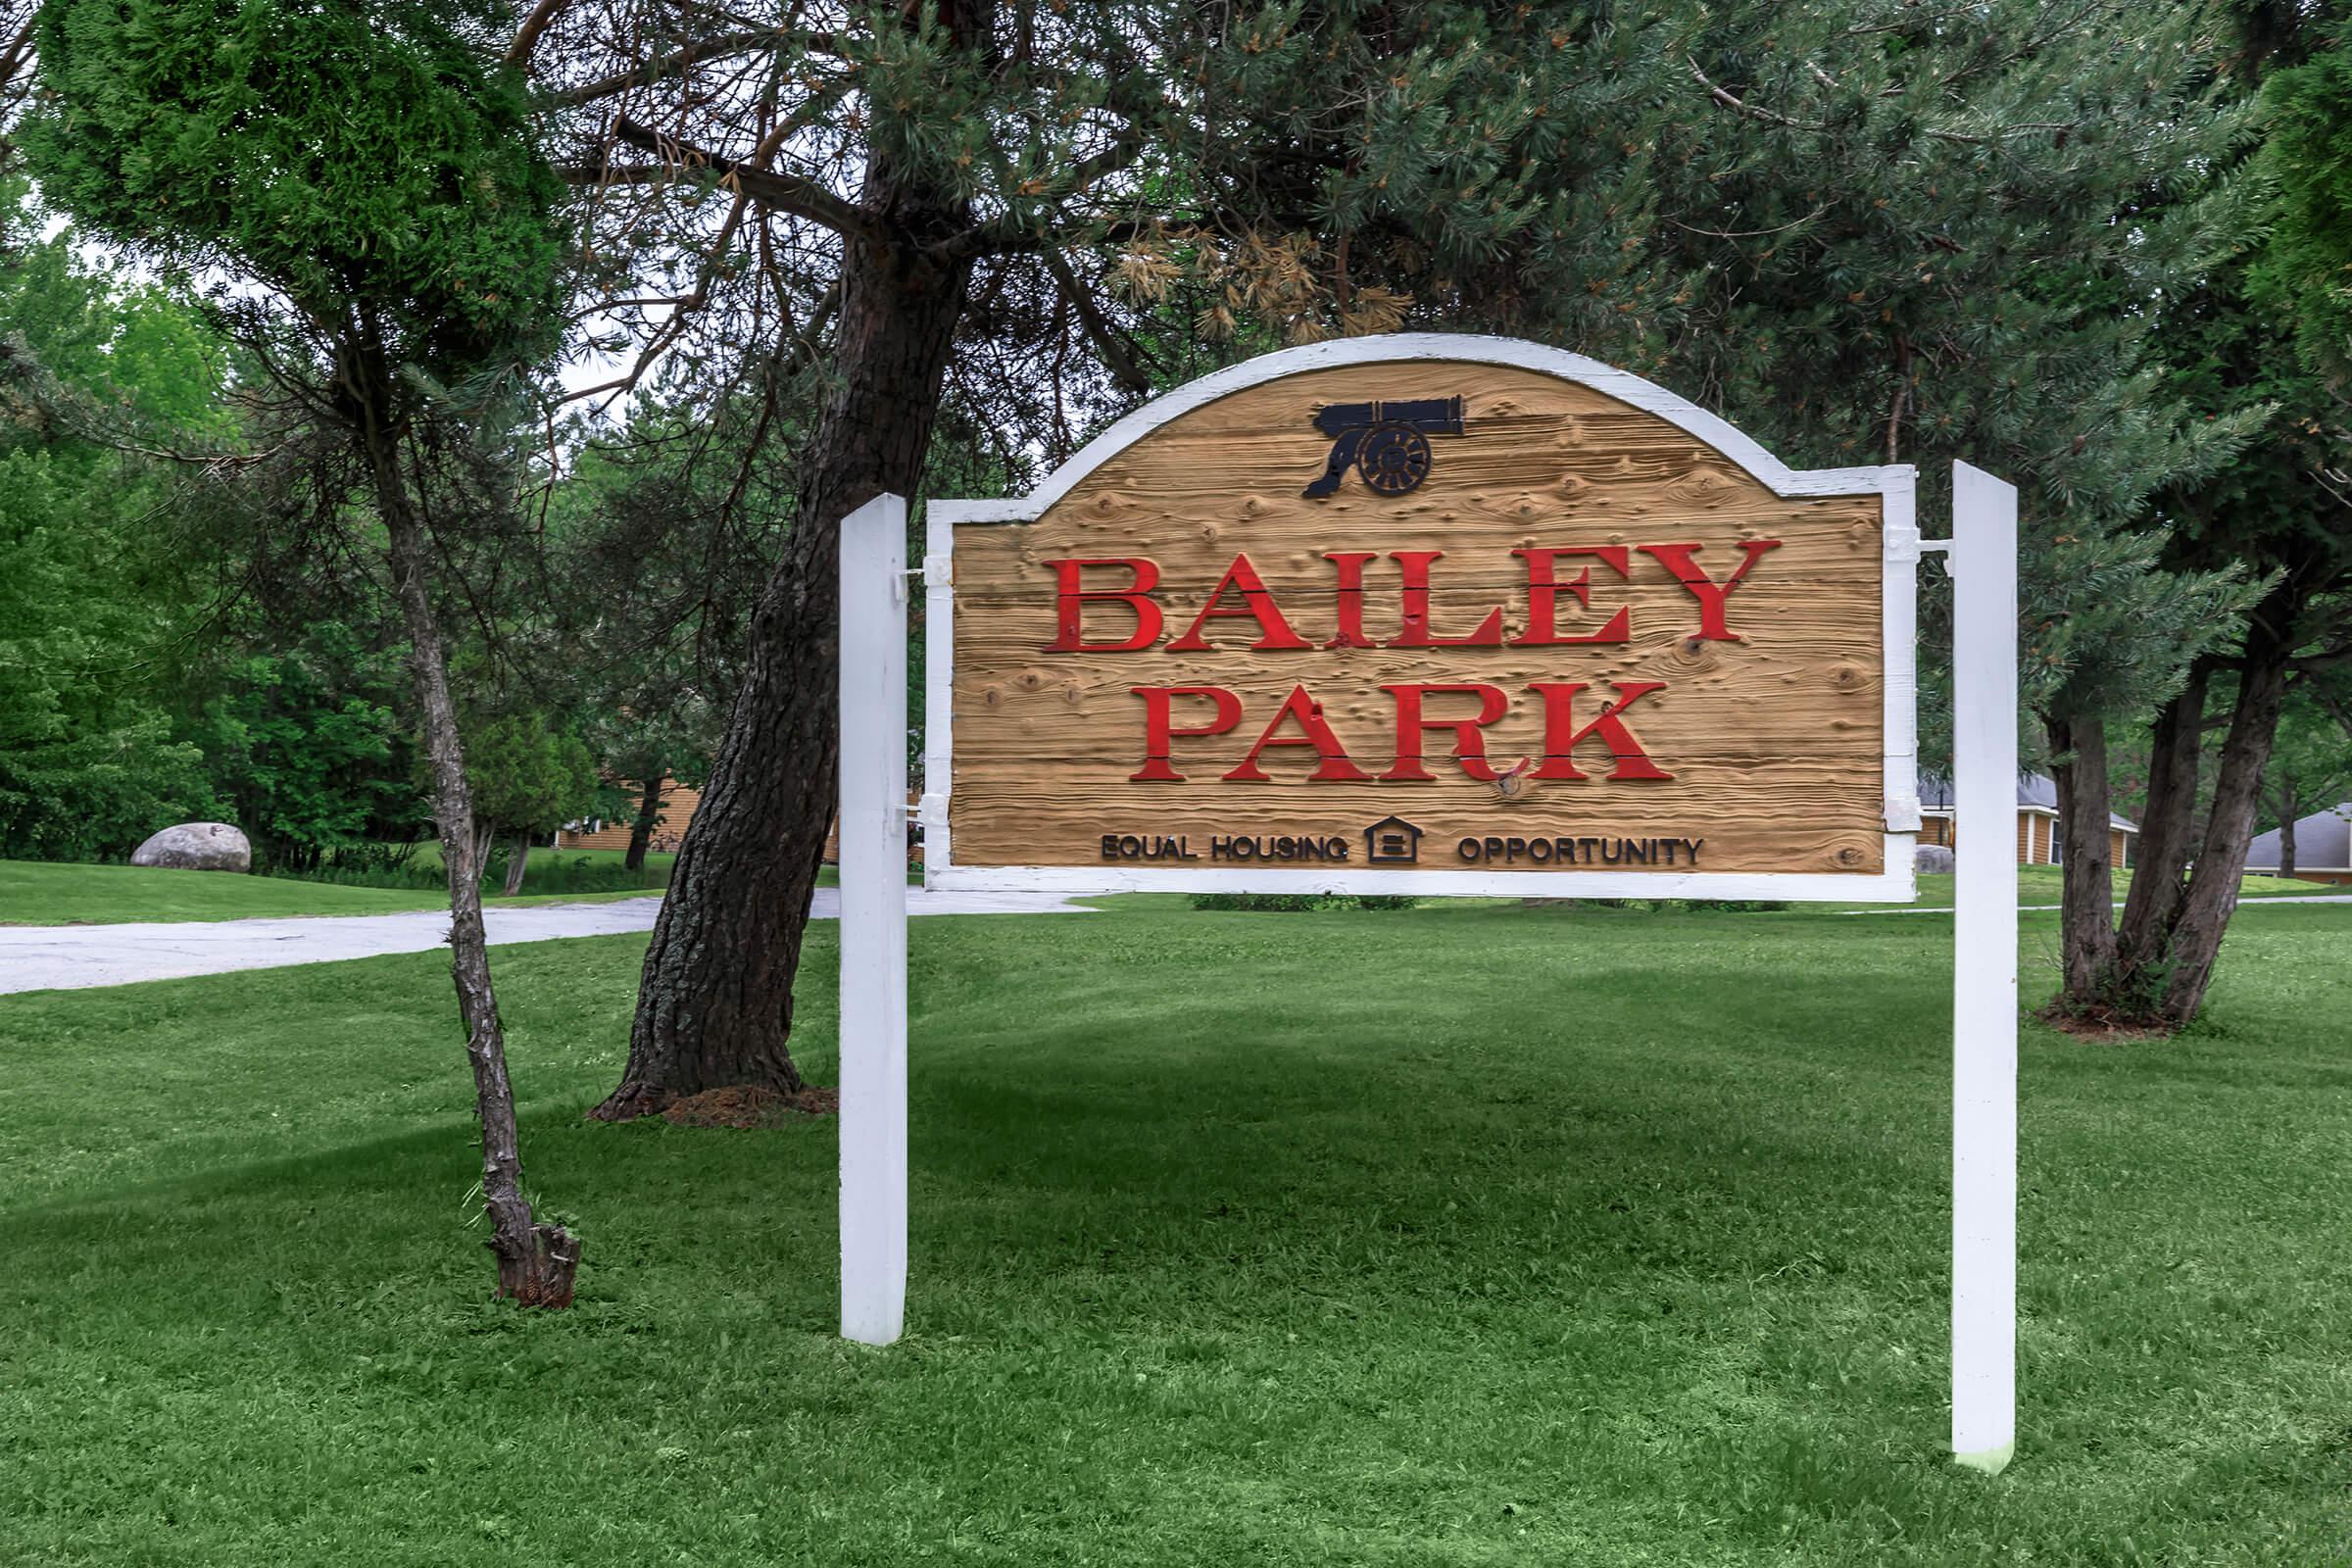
point(536, 1262)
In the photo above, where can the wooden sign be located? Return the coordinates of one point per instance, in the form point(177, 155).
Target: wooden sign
point(1431, 615)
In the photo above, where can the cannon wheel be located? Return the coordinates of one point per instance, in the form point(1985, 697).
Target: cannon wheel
point(1392, 458)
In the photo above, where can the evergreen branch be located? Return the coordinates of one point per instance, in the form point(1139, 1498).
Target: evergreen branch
point(1754, 233)
point(1001, 237)
point(526, 37)
point(20, 50)
point(2329, 659)
point(786, 193)
point(1006, 233)
point(16, 84)
point(2059, 128)
point(1741, 106)
point(1772, 116)
point(691, 55)
point(1117, 355)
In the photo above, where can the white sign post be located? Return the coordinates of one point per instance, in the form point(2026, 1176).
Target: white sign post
point(1983, 561)
point(873, 922)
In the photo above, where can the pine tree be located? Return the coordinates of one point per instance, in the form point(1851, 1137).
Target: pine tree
point(1863, 231)
point(2247, 339)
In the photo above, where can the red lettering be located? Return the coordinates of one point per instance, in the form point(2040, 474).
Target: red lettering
point(1335, 763)
point(1709, 593)
point(1257, 604)
point(1351, 598)
point(1070, 599)
point(1544, 591)
point(1415, 565)
point(1561, 736)
point(1160, 729)
point(1469, 746)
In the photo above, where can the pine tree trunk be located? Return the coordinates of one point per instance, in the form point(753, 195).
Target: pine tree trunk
point(2167, 830)
point(536, 1262)
point(517, 860)
point(715, 1005)
point(2213, 885)
point(2086, 917)
point(2186, 884)
point(641, 831)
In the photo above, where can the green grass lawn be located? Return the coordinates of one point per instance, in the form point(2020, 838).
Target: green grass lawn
point(46, 893)
point(50, 893)
point(2043, 884)
point(1456, 1236)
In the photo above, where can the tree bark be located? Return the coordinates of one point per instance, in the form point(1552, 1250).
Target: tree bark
point(2168, 829)
point(2212, 893)
point(715, 1005)
point(519, 858)
point(2086, 917)
point(641, 831)
point(2287, 807)
point(2186, 885)
point(536, 1262)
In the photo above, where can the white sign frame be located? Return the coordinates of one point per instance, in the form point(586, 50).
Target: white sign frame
point(1895, 485)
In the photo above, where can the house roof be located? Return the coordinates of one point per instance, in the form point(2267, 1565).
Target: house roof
point(2323, 842)
point(2038, 791)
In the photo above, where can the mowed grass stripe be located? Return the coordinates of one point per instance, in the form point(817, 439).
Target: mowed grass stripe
point(1465, 1235)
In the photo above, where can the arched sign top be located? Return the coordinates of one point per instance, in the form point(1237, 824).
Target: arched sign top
point(1425, 614)
point(1736, 446)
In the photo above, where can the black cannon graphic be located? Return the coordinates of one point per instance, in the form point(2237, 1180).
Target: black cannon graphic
point(1386, 441)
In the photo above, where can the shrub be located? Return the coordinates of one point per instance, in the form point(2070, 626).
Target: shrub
point(399, 865)
point(1299, 902)
point(1265, 903)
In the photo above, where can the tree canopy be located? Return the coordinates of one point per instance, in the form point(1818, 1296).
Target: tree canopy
point(226, 134)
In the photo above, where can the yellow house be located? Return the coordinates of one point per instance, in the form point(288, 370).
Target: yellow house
point(2038, 842)
point(678, 802)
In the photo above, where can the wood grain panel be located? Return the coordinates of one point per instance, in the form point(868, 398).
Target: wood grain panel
point(1774, 740)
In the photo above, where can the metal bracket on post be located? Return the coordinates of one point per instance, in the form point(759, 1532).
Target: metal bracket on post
point(1983, 562)
point(934, 573)
point(872, 1118)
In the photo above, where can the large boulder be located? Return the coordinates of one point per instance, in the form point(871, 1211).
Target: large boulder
point(1933, 859)
point(196, 846)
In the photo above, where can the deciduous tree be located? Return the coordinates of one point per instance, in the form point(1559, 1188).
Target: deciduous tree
point(93, 606)
point(527, 774)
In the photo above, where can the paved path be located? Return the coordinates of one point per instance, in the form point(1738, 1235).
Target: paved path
point(44, 958)
point(2048, 908)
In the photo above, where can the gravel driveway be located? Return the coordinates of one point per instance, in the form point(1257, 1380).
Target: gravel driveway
point(47, 957)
